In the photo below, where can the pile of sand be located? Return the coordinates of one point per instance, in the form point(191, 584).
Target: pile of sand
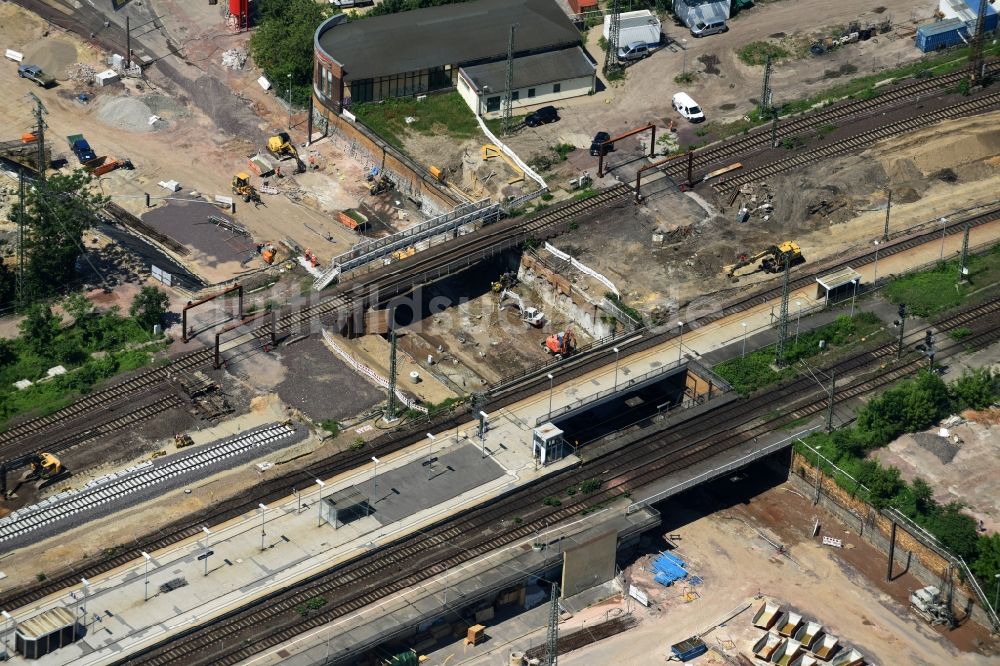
point(127, 113)
point(54, 56)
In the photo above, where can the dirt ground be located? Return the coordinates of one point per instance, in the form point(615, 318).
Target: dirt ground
point(200, 151)
point(843, 589)
point(644, 95)
point(927, 181)
point(963, 471)
point(476, 343)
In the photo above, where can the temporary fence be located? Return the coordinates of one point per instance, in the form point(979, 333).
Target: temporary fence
point(583, 268)
point(368, 372)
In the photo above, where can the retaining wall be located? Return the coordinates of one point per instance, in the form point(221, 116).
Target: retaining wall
point(924, 563)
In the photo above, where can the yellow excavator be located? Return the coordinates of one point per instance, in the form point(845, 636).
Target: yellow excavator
point(280, 145)
point(242, 187)
point(773, 259)
point(45, 468)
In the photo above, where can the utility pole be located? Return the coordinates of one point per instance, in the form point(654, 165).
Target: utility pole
point(779, 353)
point(765, 90)
point(391, 408)
point(963, 264)
point(902, 322)
point(833, 391)
point(552, 637)
point(40, 112)
point(611, 62)
point(929, 347)
point(888, 207)
point(508, 101)
point(978, 63)
point(128, 44)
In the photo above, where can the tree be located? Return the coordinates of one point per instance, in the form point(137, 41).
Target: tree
point(987, 564)
point(883, 485)
point(909, 407)
point(78, 307)
point(39, 328)
point(283, 42)
point(57, 212)
point(148, 307)
point(956, 530)
point(8, 286)
point(976, 389)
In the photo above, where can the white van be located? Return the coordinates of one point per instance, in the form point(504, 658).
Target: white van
point(687, 107)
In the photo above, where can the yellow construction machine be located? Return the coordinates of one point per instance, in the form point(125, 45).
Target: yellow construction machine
point(45, 468)
point(242, 187)
point(280, 145)
point(773, 259)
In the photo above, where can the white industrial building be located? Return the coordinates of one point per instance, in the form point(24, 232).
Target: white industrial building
point(641, 26)
point(692, 12)
point(967, 11)
point(542, 78)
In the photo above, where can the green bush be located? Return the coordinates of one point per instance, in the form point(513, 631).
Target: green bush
point(755, 53)
point(976, 389)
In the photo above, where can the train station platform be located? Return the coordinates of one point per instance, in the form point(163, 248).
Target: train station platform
point(134, 607)
point(437, 602)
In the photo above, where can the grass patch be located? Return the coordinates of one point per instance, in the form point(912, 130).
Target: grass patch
point(753, 371)
point(931, 292)
point(684, 77)
point(756, 53)
point(446, 114)
point(93, 349)
point(331, 427)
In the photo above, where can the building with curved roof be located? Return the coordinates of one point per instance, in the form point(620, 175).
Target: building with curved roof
point(424, 50)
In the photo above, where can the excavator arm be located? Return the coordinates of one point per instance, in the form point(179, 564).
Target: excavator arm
point(730, 270)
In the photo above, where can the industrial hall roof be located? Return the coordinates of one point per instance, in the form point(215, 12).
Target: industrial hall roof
point(454, 34)
point(532, 70)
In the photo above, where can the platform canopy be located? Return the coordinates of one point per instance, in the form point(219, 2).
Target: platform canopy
point(834, 282)
point(343, 506)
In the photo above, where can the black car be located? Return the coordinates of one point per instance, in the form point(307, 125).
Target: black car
point(542, 116)
point(598, 144)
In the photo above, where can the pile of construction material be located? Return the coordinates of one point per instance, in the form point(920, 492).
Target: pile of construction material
point(81, 73)
point(234, 58)
point(755, 200)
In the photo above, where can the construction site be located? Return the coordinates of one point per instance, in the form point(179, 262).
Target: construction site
point(456, 357)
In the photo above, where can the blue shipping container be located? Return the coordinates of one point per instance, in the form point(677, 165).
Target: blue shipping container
point(689, 648)
point(940, 35)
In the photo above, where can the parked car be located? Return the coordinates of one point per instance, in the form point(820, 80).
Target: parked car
point(701, 29)
point(35, 73)
point(598, 144)
point(687, 107)
point(634, 51)
point(542, 116)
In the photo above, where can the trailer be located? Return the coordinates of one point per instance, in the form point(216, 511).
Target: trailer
point(788, 623)
point(788, 651)
point(808, 633)
point(825, 645)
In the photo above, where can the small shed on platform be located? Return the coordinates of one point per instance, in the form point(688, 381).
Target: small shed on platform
point(344, 506)
point(45, 632)
point(840, 282)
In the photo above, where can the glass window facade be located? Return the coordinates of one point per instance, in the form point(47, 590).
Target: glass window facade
point(402, 85)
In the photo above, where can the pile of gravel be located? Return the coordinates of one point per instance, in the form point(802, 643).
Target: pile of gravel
point(127, 113)
point(54, 56)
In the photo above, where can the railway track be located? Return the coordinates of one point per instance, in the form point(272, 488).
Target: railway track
point(374, 576)
point(270, 491)
point(21, 438)
point(21, 523)
point(860, 141)
point(889, 97)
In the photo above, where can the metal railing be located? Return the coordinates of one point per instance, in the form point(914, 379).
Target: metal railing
point(718, 471)
point(618, 388)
